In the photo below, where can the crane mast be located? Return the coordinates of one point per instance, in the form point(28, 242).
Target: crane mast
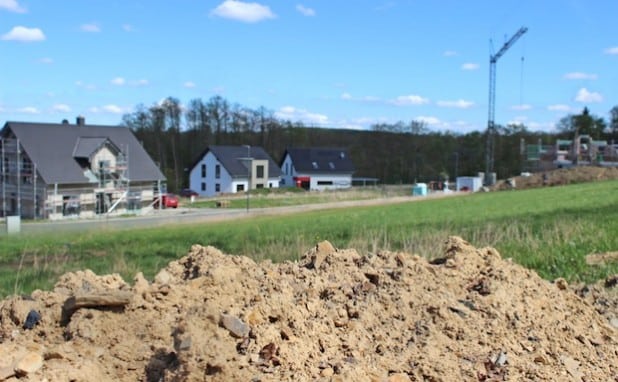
point(491, 128)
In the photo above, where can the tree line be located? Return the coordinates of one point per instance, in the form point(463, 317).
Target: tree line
point(404, 152)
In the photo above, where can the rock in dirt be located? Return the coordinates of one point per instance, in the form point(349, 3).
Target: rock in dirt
point(335, 315)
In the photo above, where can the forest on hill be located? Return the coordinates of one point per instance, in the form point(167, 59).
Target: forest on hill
point(176, 135)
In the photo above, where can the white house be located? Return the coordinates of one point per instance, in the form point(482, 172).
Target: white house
point(316, 168)
point(230, 169)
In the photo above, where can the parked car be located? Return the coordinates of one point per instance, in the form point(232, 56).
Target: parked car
point(169, 201)
point(187, 193)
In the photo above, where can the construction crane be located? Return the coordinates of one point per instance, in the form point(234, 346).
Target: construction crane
point(491, 128)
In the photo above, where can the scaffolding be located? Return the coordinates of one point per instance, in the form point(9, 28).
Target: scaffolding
point(21, 195)
point(106, 189)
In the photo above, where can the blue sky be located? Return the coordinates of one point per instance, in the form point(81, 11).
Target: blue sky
point(331, 63)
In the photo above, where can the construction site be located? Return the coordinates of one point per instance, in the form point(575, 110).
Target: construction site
point(81, 171)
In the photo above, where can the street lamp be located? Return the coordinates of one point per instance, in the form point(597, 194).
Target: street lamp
point(248, 173)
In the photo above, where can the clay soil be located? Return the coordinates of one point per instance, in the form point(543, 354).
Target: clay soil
point(336, 315)
point(561, 177)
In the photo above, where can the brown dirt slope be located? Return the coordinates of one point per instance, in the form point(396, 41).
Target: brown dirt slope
point(334, 316)
point(561, 177)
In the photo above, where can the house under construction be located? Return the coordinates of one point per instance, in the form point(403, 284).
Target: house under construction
point(53, 171)
point(581, 151)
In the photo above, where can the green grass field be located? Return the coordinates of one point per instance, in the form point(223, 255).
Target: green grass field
point(550, 230)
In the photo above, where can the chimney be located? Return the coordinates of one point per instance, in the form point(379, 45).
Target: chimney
point(65, 121)
point(80, 120)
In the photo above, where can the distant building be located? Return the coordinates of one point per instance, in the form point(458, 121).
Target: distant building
point(59, 170)
point(317, 168)
point(468, 183)
point(564, 153)
point(232, 169)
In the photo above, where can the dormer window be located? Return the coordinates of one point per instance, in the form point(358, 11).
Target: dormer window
point(331, 165)
point(315, 165)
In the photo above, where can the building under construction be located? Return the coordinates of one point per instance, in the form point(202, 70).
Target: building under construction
point(54, 171)
point(565, 153)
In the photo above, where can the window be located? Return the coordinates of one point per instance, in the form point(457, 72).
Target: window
point(287, 169)
point(259, 185)
point(203, 171)
point(331, 165)
point(240, 187)
point(259, 172)
point(217, 187)
point(325, 182)
point(218, 172)
point(203, 186)
point(315, 165)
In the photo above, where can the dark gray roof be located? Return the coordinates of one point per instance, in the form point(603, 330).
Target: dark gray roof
point(53, 149)
point(85, 147)
point(320, 160)
point(231, 158)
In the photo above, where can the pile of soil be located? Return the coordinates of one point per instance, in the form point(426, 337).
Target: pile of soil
point(336, 315)
point(560, 177)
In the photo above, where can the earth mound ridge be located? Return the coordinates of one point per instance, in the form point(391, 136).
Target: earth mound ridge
point(335, 315)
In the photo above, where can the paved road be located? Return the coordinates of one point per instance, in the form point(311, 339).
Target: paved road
point(186, 215)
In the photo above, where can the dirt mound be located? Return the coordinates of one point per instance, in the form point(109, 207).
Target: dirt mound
point(561, 177)
point(335, 316)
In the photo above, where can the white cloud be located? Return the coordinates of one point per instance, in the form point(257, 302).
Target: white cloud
point(469, 66)
point(348, 97)
point(189, 85)
point(304, 10)
point(612, 50)
point(93, 28)
point(61, 108)
point(24, 34)
point(585, 96)
point(111, 109)
point(459, 104)
point(293, 114)
point(559, 107)
point(29, 110)
point(46, 60)
point(449, 53)
point(432, 121)
point(521, 107)
point(140, 83)
point(412, 99)
point(128, 27)
point(580, 76)
point(12, 5)
point(118, 81)
point(242, 11)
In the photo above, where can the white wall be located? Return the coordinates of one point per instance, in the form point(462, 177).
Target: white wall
point(288, 172)
point(338, 180)
point(196, 179)
point(227, 183)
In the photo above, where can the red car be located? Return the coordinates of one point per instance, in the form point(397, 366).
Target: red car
point(169, 201)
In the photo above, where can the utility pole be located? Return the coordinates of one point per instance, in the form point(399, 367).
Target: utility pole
point(491, 128)
point(249, 164)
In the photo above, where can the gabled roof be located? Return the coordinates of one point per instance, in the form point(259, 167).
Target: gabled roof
point(231, 157)
point(320, 160)
point(54, 147)
point(85, 147)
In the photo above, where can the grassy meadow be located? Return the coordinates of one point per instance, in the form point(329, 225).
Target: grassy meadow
point(550, 230)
